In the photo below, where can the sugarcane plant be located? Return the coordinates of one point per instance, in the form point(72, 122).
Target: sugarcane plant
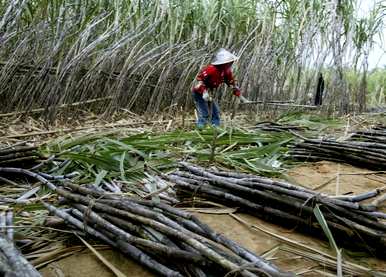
point(143, 55)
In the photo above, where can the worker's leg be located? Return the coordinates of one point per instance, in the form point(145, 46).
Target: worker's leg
point(202, 110)
point(215, 114)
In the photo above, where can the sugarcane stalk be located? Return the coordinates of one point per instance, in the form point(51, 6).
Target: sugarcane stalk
point(204, 250)
point(240, 185)
point(311, 157)
point(126, 225)
point(43, 163)
point(13, 201)
point(168, 252)
point(376, 136)
point(129, 206)
point(188, 225)
point(259, 179)
point(158, 226)
point(13, 156)
point(343, 152)
point(59, 166)
point(261, 263)
point(355, 146)
point(259, 196)
point(374, 214)
point(77, 223)
point(335, 204)
point(166, 208)
point(5, 270)
point(133, 208)
point(204, 230)
point(306, 194)
point(154, 235)
point(3, 223)
point(214, 193)
point(364, 158)
point(58, 177)
point(128, 249)
point(28, 194)
point(17, 263)
point(176, 213)
point(20, 143)
point(240, 251)
point(18, 160)
point(351, 149)
point(142, 258)
point(280, 216)
point(102, 195)
point(362, 196)
point(28, 173)
point(367, 144)
point(136, 209)
point(377, 238)
point(264, 212)
point(364, 223)
point(196, 270)
point(9, 223)
point(16, 149)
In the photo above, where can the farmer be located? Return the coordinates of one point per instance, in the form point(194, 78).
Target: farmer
point(211, 77)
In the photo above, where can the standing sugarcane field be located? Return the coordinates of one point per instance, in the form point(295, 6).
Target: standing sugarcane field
point(196, 138)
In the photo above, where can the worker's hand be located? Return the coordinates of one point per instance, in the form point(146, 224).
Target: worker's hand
point(236, 91)
point(206, 96)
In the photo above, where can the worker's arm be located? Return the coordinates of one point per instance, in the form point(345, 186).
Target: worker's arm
point(231, 82)
point(201, 87)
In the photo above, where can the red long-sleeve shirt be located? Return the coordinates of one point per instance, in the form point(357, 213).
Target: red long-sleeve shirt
point(212, 77)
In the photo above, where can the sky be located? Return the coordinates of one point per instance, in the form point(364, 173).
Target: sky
point(377, 57)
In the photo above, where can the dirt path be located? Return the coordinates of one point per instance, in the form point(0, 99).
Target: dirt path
point(312, 175)
point(320, 173)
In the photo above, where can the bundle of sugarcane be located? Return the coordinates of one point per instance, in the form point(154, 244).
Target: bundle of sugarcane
point(380, 127)
point(166, 240)
point(273, 126)
point(12, 262)
point(359, 224)
point(376, 134)
point(361, 153)
point(20, 154)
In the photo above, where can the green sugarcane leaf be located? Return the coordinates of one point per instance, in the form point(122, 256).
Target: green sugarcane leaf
point(199, 135)
point(122, 165)
point(99, 177)
point(127, 147)
point(323, 223)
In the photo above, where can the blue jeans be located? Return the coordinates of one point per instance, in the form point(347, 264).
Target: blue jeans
point(202, 108)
